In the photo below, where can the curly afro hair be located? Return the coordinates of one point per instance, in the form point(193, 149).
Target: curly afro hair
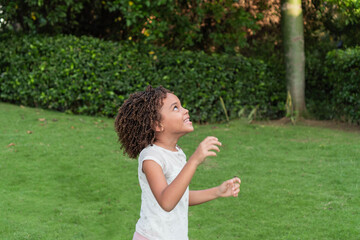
point(137, 117)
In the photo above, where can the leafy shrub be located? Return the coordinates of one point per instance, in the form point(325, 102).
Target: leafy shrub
point(332, 84)
point(318, 87)
point(89, 76)
point(343, 72)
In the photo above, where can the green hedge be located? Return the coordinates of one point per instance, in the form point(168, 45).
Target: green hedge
point(333, 84)
point(89, 76)
point(318, 87)
point(343, 71)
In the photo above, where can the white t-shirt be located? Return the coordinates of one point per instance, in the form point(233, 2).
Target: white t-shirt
point(155, 223)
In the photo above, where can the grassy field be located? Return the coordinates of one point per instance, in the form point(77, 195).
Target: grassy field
point(64, 177)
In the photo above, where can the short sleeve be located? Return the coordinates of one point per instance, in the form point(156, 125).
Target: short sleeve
point(151, 154)
point(149, 157)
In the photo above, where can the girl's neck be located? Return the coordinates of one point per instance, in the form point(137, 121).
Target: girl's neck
point(167, 143)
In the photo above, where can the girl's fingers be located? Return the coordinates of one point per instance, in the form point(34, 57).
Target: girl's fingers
point(211, 154)
point(213, 147)
point(209, 138)
point(212, 140)
point(236, 191)
point(236, 186)
point(210, 143)
point(236, 179)
point(216, 143)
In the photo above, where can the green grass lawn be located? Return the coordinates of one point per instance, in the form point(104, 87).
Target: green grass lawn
point(64, 177)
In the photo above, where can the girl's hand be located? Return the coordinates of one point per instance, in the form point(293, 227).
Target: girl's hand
point(229, 188)
point(203, 150)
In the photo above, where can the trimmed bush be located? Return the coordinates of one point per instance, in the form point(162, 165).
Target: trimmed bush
point(343, 72)
point(333, 84)
point(90, 76)
point(318, 87)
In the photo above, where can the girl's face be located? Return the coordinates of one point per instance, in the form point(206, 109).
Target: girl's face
point(174, 118)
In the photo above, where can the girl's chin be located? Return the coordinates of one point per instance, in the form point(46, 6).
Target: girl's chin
point(191, 128)
point(188, 128)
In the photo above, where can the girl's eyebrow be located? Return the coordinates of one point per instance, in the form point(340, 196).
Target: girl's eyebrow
point(175, 103)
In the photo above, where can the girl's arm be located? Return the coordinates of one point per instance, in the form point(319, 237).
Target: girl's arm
point(226, 189)
point(169, 195)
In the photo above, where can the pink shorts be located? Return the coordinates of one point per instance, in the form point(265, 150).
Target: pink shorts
point(137, 236)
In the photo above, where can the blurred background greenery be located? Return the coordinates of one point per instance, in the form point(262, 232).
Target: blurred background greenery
point(86, 56)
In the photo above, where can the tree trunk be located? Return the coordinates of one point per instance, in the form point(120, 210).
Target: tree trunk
point(293, 39)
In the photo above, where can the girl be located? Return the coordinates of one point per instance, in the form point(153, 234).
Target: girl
point(149, 125)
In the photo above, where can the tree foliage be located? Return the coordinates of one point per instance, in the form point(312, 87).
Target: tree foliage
point(334, 20)
point(208, 25)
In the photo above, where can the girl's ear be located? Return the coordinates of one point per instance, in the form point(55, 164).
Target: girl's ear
point(159, 127)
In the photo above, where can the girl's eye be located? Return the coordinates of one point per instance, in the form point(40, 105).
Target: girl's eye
point(176, 108)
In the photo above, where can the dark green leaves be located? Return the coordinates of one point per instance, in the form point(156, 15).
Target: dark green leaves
point(91, 76)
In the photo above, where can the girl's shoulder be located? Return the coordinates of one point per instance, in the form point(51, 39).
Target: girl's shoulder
point(157, 151)
point(149, 148)
point(150, 151)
